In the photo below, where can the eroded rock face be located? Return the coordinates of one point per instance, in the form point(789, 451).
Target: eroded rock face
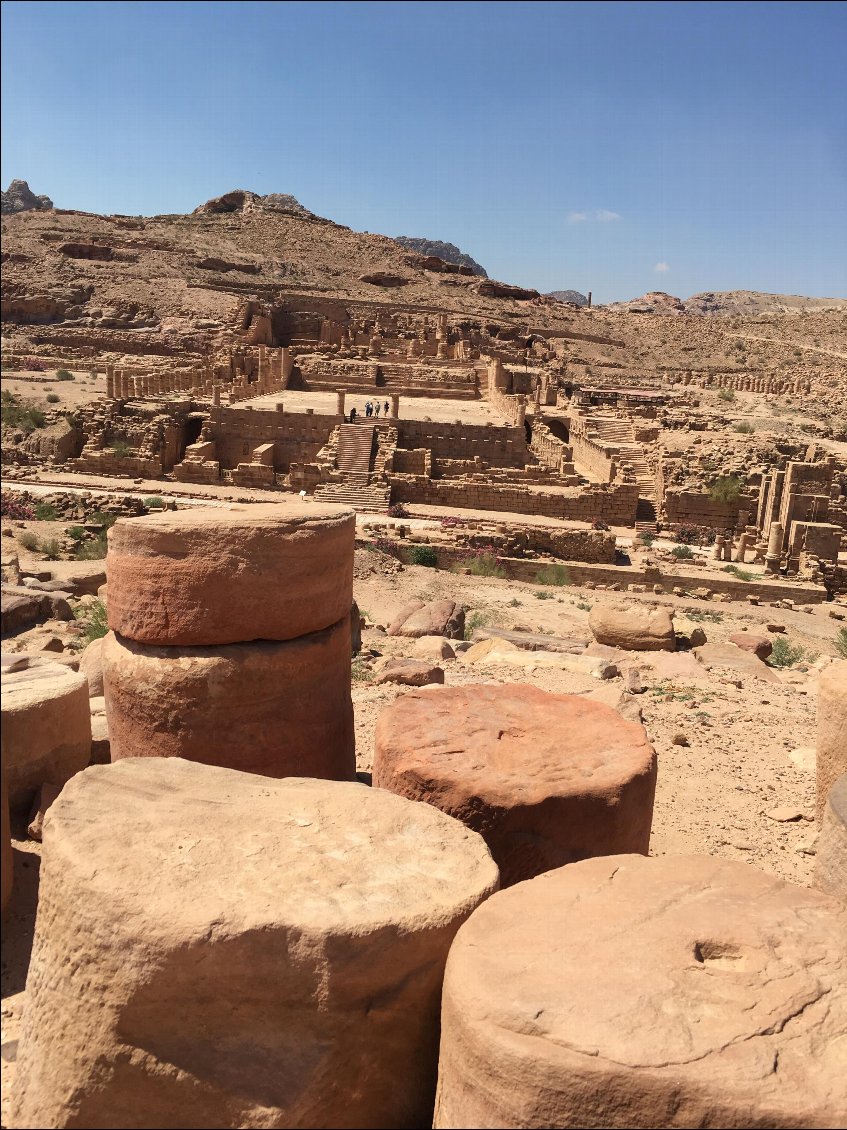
point(19, 197)
point(207, 577)
point(91, 665)
point(831, 845)
point(438, 618)
point(832, 730)
point(632, 627)
point(546, 779)
point(633, 992)
point(278, 708)
point(46, 728)
point(256, 952)
point(759, 645)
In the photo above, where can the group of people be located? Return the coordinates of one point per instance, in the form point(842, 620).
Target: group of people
point(372, 408)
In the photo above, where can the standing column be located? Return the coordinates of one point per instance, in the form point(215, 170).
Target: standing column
point(395, 405)
point(340, 395)
point(774, 554)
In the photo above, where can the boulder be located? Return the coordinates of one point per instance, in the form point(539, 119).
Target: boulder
point(832, 730)
point(760, 646)
point(20, 609)
point(91, 665)
point(410, 673)
point(633, 992)
point(438, 618)
point(434, 648)
point(281, 708)
point(201, 577)
point(546, 779)
point(634, 627)
point(733, 658)
point(46, 730)
point(224, 950)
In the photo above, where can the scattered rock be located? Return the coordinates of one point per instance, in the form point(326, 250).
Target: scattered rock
point(632, 627)
point(410, 673)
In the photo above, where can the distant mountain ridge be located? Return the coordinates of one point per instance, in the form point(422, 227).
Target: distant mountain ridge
point(726, 302)
point(449, 252)
point(19, 197)
point(568, 296)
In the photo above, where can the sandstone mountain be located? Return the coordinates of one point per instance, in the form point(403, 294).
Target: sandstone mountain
point(19, 197)
point(573, 296)
point(735, 302)
point(449, 252)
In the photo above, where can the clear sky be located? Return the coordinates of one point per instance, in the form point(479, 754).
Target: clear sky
point(619, 147)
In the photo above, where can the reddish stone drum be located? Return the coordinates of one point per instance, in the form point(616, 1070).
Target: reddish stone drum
point(633, 992)
point(546, 779)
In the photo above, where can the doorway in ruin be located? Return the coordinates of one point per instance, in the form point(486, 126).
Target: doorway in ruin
point(191, 432)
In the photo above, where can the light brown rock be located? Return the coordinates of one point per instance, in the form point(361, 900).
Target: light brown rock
point(832, 729)
point(633, 627)
point(831, 846)
point(46, 728)
point(546, 779)
point(434, 648)
point(201, 577)
point(761, 646)
point(91, 665)
point(438, 618)
point(278, 708)
point(256, 953)
point(410, 673)
point(633, 992)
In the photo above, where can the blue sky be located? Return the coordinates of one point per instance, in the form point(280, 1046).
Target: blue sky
point(613, 147)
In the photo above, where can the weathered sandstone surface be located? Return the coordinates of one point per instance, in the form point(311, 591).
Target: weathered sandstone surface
point(215, 949)
point(205, 577)
point(632, 992)
point(633, 627)
point(278, 708)
point(46, 730)
point(437, 618)
point(546, 779)
point(832, 729)
point(831, 846)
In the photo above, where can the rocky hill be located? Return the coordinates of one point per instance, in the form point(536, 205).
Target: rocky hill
point(19, 197)
point(449, 252)
point(572, 296)
point(740, 303)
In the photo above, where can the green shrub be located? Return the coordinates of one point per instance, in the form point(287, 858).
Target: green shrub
point(64, 375)
point(424, 555)
point(104, 518)
point(477, 620)
point(93, 617)
point(682, 552)
point(741, 574)
point(53, 398)
point(553, 575)
point(745, 428)
point(18, 414)
point(646, 538)
point(153, 501)
point(727, 489)
point(44, 512)
point(543, 595)
point(360, 672)
point(484, 566)
point(841, 642)
point(76, 533)
point(786, 654)
point(121, 449)
point(514, 603)
point(51, 549)
point(727, 394)
point(94, 550)
point(28, 540)
point(583, 605)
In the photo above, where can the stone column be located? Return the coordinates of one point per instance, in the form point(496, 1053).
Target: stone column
point(743, 543)
point(521, 416)
point(216, 395)
point(774, 554)
point(340, 395)
point(394, 398)
point(110, 381)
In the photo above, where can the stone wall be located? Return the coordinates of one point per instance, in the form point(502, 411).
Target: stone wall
point(696, 508)
point(499, 447)
point(295, 438)
point(614, 504)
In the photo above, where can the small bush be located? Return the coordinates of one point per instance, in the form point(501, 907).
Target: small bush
point(727, 394)
point(13, 508)
point(64, 375)
point(785, 654)
point(543, 595)
point(741, 574)
point(360, 672)
point(44, 512)
point(745, 428)
point(51, 549)
point(121, 449)
point(841, 642)
point(93, 617)
point(682, 552)
point(424, 555)
point(28, 540)
point(76, 533)
point(104, 518)
point(514, 603)
point(553, 575)
point(727, 489)
point(398, 510)
point(599, 524)
point(19, 414)
point(646, 538)
point(153, 501)
point(583, 605)
point(486, 565)
point(53, 398)
point(477, 620)
point(94, 550)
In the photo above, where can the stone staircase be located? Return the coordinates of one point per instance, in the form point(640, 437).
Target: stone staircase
point(376, 496)
point(354, 457)
point(615, 432)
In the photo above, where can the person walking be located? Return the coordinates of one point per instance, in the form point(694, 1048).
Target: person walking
point(353, 415)
point(385, 409)
point(376, 409)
